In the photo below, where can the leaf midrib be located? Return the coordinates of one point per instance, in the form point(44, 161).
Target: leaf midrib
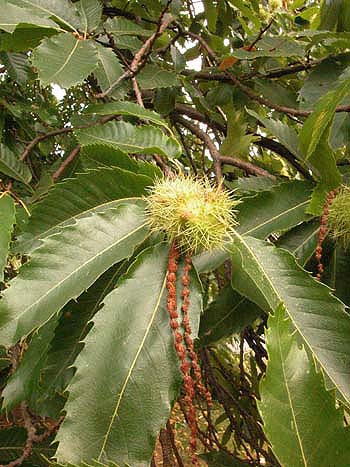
point(75, 46)
point(128, 376)
point(271, 219)
point(16, 168)
point(104, 66)
point(304, 243)
point(229, 313)
point(85, 18)
point(291, 401)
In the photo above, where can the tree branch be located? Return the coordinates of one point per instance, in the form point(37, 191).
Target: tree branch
point(277, 73)
point(196, 115)
point(218, 158)
point(167, 450)
point(264, 142)
point(282, 151)
point(251, 94)
point(61, 131)
point(113, 11)
point(70, 158)
point(247, 166)
point(261, 33)
point(207, 140)
point(172, 440)
point(141, 56)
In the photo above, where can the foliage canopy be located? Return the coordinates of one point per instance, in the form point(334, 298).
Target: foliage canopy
point(103, 99)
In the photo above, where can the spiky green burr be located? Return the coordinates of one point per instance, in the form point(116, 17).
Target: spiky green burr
point(196, 214)
point(339, 217)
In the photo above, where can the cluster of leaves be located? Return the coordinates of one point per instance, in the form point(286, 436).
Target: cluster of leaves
point(83, 317)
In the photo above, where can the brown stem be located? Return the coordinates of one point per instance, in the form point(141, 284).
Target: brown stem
point(218, 159)
point(264, 142)
point(196, 115)
point(261, 33)
point(173, 444)
point(137, 91)
point(31, 433)
point(207, 140)
point(61, 131)
point(276, 73)
point(247, 166)
point(167, 450)
point(70, 158)
point(282, 151)
point(142, 54)
point(187, 152)
point(251, 94)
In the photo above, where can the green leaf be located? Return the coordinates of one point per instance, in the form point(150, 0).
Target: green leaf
point(108, 69)
point(24, 382)
point(208, 261)
point(237, 142)
point(337, 273)
point(211, 12)
point(252, 184)
point(178, 59)
point(17, 66)
point(284, 133)
point(12, 442)
point(301, 241)
point(131, 43)
point(274, 210)
point(300, 417)
point(93, 191)
point(318, 122)
point(119, 26)
point(104, 156)
point(247, 11)
point(335, 15)
point(134, 392)
point(129, 138)
point(23, 39)
point(327, 172)
point(154, 77)
point(12, 15)
point(269, 276)
point(90, 12)
point(7, 213)
point(11, 166)
point(73, 327)
point(279, 208)
point(321, 80)
point(272, 47)
point(228, 314)
point(126, 108)
point(46, 283)
point(65, 60)
point(99, 156)
point(62, 11)
point(277, 92)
